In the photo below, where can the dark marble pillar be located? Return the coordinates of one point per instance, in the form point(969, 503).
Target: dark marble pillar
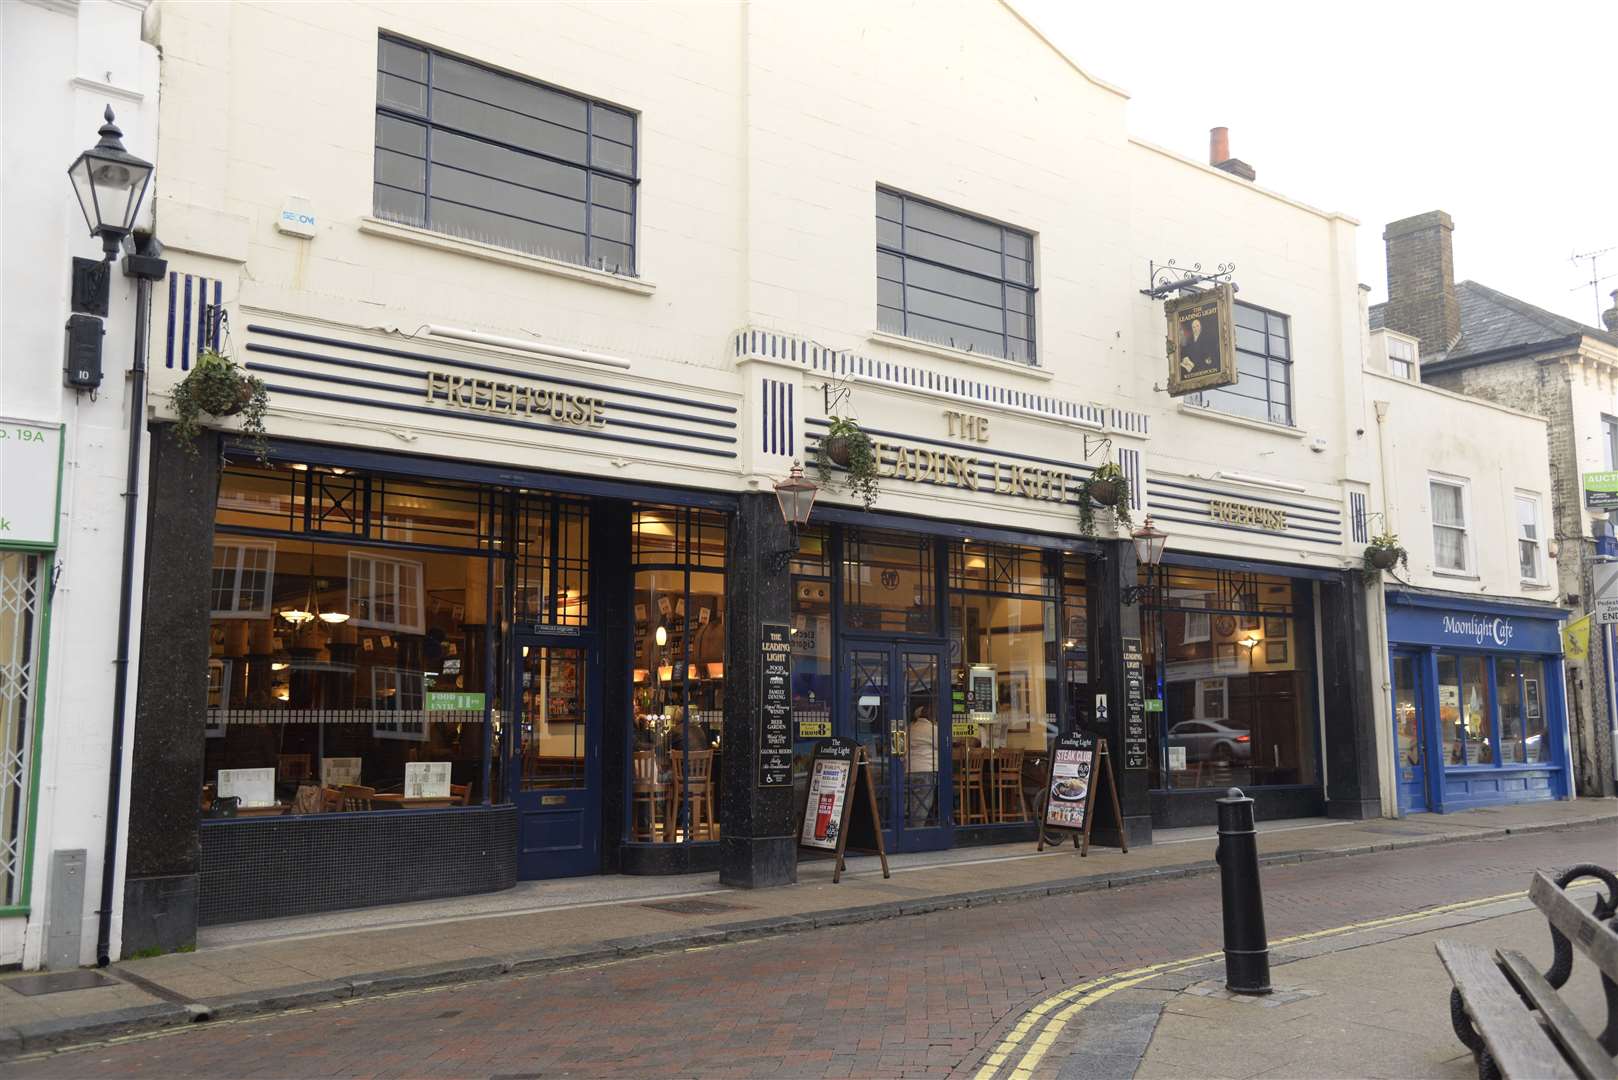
point(1353, 789)
point(758, 845)
point(611, 604)
point(171, 698)
point(1111, 621)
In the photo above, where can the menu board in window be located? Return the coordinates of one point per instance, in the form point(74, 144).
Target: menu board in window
point(254, 787)
point(426, 780)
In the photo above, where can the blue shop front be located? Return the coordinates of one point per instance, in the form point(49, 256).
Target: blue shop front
point(1479, 713)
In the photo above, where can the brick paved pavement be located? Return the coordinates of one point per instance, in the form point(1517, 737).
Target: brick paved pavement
point(920, 996)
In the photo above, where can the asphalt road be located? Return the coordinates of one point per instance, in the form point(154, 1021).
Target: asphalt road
point(919, 996)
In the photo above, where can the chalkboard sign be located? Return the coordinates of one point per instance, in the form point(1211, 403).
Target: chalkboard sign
point(1134, 705)
point(840, 813)
point(775, 731)
point(1080, 764)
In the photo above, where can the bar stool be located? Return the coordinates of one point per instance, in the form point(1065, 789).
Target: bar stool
point(693, 772)
point(649, 792)
point(1007, 783)
point(972, 798)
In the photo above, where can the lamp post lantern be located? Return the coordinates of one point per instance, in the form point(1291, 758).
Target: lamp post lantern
point(1149, 543)
point(110, 183)
point(796, 496)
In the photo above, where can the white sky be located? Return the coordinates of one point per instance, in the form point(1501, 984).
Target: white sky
point(1504, 115)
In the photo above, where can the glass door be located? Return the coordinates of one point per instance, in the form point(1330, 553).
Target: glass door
point(895, 706)
point(556, 766)
point(1409, 734)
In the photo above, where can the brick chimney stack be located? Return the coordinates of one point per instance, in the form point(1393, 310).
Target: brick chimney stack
point(1421, 281)
point(1219, 155)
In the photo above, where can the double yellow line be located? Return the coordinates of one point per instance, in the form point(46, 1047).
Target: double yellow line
point(1056, 1011)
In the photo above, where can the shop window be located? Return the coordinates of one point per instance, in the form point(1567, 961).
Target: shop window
point(469, 151)
point(954, 279)
point(369, 675)
point(678, 674)
point(1451, 545)
point(1520, 688)
point(22, 600)
point(1464, 710)
point(553, 561)
point(1006, 654)
point(1076, 641)
point(1230, 656)
point(1530, 564)
point(888, 583)
point(1263, 386)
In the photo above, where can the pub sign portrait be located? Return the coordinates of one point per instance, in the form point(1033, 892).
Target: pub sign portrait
point(1201, 348)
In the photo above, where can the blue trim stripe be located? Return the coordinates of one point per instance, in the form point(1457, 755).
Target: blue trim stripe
point(185, 328)
point(791, 424)
point(174, 287)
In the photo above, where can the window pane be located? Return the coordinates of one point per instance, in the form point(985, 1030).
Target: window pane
point(952, 283)
point(613, 194)
point(890, 319)
point(1018, 245)
point(1250, 317)
point(888, 206)
point(508, 93)
point(398, 93)
point(612, 124)
point(1447, 504)
point(391, 204)
point(952, 252)
point(402, 59)
point(1475, 712)
point(613, 257)
point(954, 335)
point(501, 125)
point(947, 223)
point(401, 135)
point(400, 170)
point(474, 155)
point(940, 306)
point(504, 198)
point(611, 225)
point(606, 154)
point(491, 228)
point(888, 583)
point(1536, 737)
point(1512, 749)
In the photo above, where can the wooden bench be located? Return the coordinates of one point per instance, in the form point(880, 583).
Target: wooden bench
point(1511, 1017)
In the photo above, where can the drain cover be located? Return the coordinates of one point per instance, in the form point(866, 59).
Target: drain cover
point(56, 982)
point(694, 907)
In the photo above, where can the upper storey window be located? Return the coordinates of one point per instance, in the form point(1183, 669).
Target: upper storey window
point(1263, 386)
point(951, 279)
point(472, 152)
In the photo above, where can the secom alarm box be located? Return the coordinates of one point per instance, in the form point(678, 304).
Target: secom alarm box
point(82, 367)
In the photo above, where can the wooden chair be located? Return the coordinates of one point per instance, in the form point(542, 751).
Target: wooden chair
point(293, 768)
point(693, 772)
point(331, 800)
point(356, 797)
point(651, 793)
point(972, 797)
point(461, 794)
point(1007, 771)
point(207, 796)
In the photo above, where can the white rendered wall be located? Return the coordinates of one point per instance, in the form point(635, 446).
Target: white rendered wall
point(61, 64)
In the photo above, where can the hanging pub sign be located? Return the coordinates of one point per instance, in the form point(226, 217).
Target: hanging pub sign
point(775, 734)
point(1201, 341)
point(1079, 765)
point(840, 813)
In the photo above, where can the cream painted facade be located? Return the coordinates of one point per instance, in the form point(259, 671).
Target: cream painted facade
point(756, 214)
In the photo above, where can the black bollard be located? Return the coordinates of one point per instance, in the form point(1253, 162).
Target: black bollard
point(1247, 950)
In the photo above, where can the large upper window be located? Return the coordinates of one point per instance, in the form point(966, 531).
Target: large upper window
point(1609, 441)
point(1451, 546)
point(466, 150)
point(952, 279)
point(1263, 386)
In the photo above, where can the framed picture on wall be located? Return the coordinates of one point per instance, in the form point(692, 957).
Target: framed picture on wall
point(1225, 654)
point(1275, 651)
point(1275, 626)
point(1530, 696)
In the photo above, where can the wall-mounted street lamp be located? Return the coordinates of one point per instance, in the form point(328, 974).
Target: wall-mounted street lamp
point(1150, 542)
point(796, 496)
point(110, 183)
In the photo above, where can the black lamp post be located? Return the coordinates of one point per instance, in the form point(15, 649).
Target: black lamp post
point(1149, 544)
point(110, 183)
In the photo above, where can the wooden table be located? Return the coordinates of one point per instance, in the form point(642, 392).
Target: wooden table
point(404, 803)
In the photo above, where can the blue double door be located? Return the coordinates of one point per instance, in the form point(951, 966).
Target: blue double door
point(897, 704)
point(553, 755)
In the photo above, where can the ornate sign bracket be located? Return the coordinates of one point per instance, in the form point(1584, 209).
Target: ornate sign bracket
point(1102, 444)
point(1162, 280)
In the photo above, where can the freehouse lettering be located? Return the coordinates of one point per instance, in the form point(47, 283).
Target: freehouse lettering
point(1259, 517)
point(514, 399)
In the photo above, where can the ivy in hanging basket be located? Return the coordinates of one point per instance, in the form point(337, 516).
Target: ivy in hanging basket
point(1384, 552)
point(845, 446)
point(217, 387)
point(1107, 487)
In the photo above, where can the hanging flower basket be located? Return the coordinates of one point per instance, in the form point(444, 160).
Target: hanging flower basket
point(1384, 552)
point(1107, 488)
point(844, 446)
point(1105, 492)
point(217, 387)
